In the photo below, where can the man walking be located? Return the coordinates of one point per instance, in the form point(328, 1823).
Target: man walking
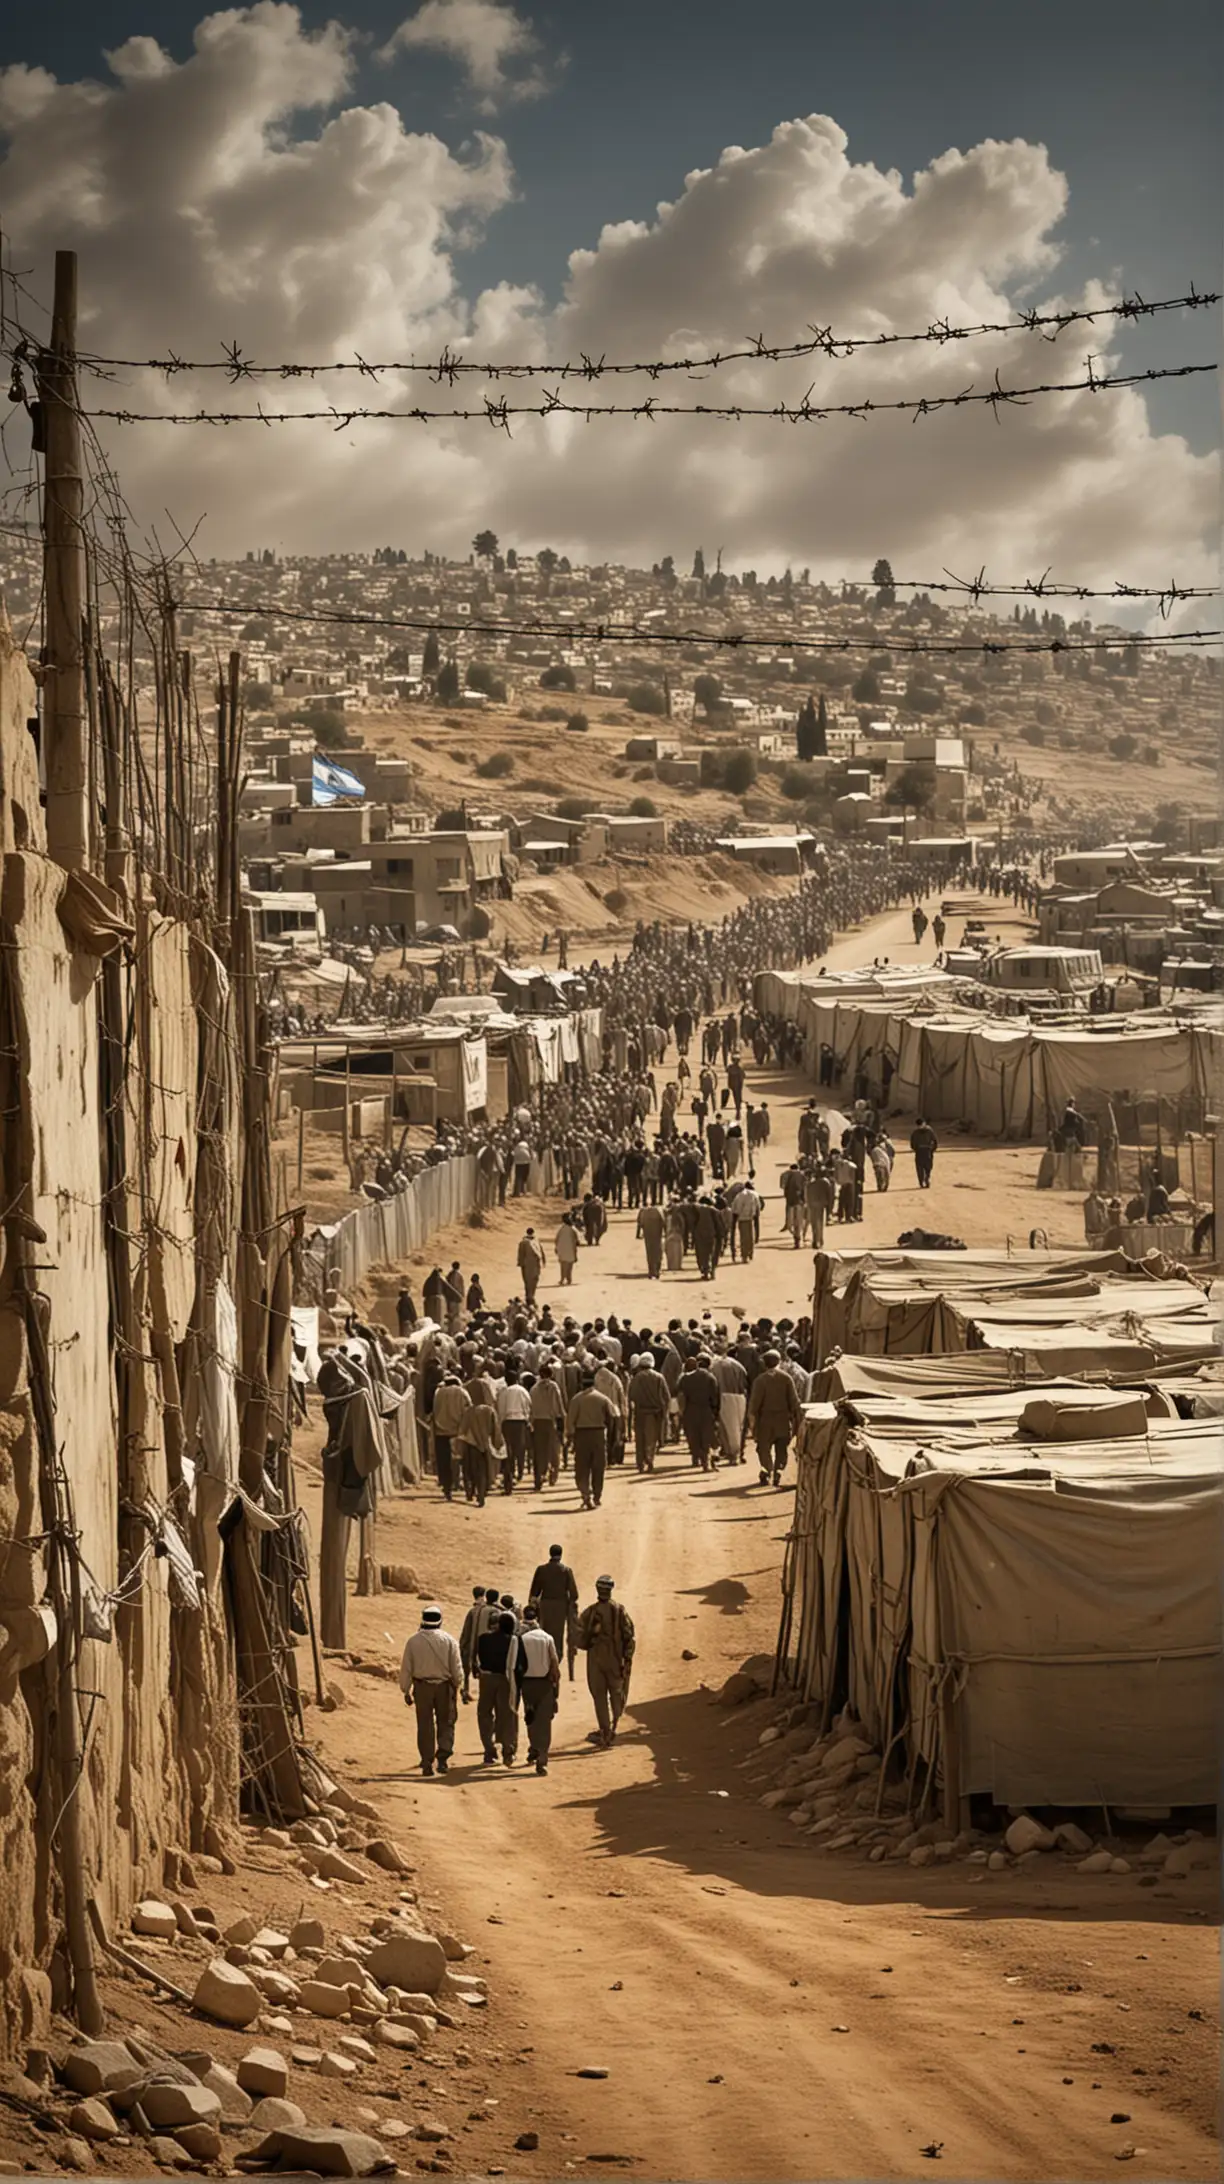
point(497, 1697)
point(924, 1145)
point(698, 1399)
point(480, 1617)
point(547, 1421)
point(732, 1383)
point(451, 1405)
point(539, 1671)
point(605, 1634)
point(650, 1227)
point(430, 1675)
point(588, 1423)
point(481, 1449)
point(565, 1244)
point(746, 1211)
point(554, 1591)
point(513, 1406)
point(648, 1404)
point(774, 1413)
point(530, 1265)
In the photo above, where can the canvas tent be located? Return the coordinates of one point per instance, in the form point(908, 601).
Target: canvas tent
point(1035, 1620)
point(1005, 1076)
point(1110, 1311)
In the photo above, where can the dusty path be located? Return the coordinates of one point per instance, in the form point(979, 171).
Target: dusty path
point(762, 2011)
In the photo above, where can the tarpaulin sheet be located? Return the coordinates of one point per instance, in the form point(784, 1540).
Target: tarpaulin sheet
point(1080, 1618)
point(475, 1053)
point(1006, 1076)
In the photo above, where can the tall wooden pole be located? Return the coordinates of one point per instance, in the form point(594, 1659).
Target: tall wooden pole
point(64, 706)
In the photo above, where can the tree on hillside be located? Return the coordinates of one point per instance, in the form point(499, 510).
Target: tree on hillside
point(699, 566)
point(805, 731)
point(447, 686)
point(482, 676)
point(822, 729)
point(484, 545)
point(882, 578)
point(707, 691)
point(667, 573)
point(740, 771)
point(511, 557)
point(866, 690)
point(559, 676)
point(914, 788)
point(546, 561)
point(429, 665)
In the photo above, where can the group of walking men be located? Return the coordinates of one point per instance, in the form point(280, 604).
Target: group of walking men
point(513, 1656)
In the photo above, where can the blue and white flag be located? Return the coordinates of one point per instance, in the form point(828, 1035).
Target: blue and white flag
point(331, 784)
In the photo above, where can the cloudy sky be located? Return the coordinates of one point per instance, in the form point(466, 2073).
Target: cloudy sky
point(651, 178)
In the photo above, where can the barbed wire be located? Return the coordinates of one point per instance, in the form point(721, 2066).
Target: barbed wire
point(638, 633)
point(976, 588)
point(499, 412)
point(450, 365)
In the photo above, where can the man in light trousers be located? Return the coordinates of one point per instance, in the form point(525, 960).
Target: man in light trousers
point(430, 1675)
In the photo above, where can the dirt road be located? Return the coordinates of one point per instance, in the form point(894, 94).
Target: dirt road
point(762, 2010)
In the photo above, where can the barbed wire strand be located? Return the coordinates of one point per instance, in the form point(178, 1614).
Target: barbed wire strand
point(451, 365)
point(499, 412)
point(638, 633)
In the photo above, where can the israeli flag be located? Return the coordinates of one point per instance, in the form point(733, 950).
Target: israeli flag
point(332, 784)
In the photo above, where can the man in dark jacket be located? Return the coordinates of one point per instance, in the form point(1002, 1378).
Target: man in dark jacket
point(698, 1396)
point(774, 1414)
point(924, 1145)
point(554, 1589)
point(497, 1697)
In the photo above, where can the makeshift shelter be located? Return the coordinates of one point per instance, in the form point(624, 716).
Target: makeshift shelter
point(1064, 1311)
point(1004, 1076)
point(1034, 1620)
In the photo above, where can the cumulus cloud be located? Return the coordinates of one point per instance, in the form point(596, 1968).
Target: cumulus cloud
point(496, 48)
point(241, 193)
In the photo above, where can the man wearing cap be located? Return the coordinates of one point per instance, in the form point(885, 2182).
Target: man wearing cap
point(430, 1676)
point(774, 1413)
point(605, 1635)
point(539, 1674)
point(588, 1422)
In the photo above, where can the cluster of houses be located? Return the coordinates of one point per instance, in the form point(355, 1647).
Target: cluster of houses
point(1157, 912)
point(363, 854)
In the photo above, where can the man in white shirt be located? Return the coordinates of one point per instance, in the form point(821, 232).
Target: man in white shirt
point(513, 1405)
point(746, 1211)
point(430, 1675)
point(539, 1674)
